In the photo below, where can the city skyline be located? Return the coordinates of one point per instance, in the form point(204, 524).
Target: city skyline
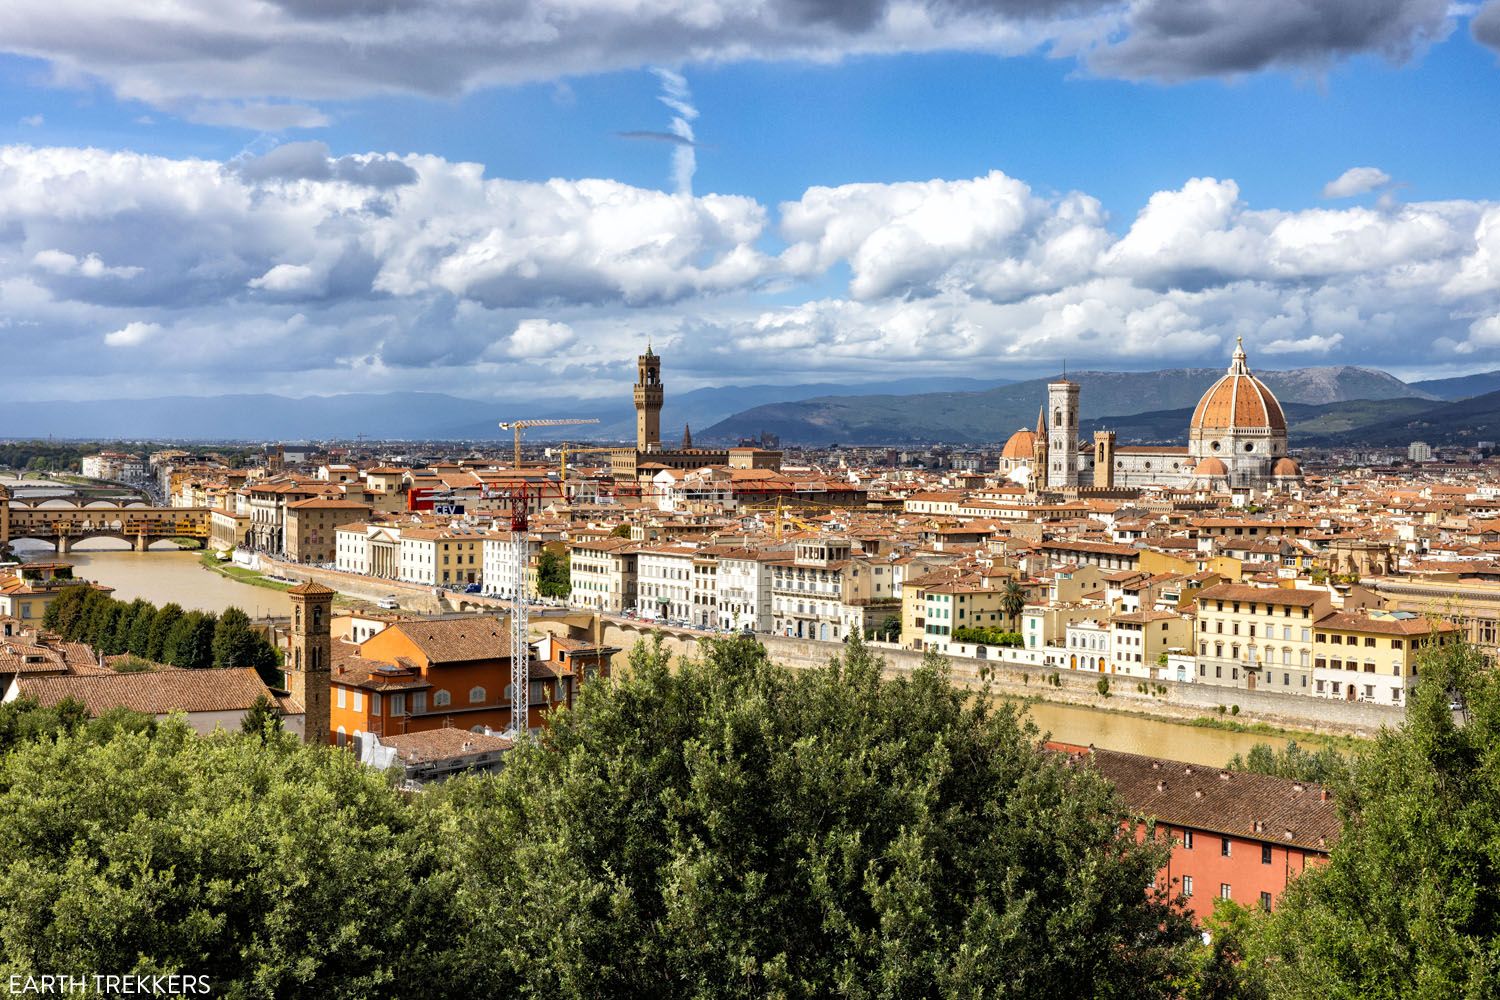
point(826, 193)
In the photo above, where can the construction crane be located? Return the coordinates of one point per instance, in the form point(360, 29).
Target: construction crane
point(520, 425)
point(781, 517)
point(563, 452)
point(520, 615)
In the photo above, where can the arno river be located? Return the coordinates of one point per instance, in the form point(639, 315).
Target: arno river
point(160, 577)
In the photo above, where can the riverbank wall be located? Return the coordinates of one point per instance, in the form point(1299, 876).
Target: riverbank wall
point(1171, 700)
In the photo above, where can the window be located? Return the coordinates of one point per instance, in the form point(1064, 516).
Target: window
point(1265, 902)
point(1224, 891)
point(343, 697)
point(1187, 885)
point(398, 704)
point(1265, 854)
point(359, 701)
point(1187, 839)
point(441, 698)
point(1224, 846)
point(375, 704)
point(419, 702)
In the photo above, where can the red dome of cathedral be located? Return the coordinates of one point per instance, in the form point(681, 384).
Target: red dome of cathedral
point(1020, 446)
point(1238, 401)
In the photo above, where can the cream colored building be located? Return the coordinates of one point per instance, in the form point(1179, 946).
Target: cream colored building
point(1258, 638)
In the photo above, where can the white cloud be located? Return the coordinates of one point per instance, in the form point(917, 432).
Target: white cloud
point(33, 121)
point(90, 266)
point(539, 338)
point(1311, 344)
point(132, 334)
point(263, 116)
point(297, 268)
point(1356, 180)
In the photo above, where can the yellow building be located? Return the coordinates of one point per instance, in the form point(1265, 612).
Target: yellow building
point(1372, 656)
point(1258, 638)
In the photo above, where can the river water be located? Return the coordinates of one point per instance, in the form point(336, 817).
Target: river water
point(160, 576)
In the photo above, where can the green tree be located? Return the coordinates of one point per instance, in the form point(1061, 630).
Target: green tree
point(234, 643)
point(1013, 601)
point(1409, 902)
point(620, 531)
point(64, 611)
point(1324, 765)
point(275, 869)
point(729, 828)
point(162, 624)
point(191, 640)
point(553, 578)
point(139, 643)
point(263, 713)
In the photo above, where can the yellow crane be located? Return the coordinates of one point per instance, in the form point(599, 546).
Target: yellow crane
point(782, 517)
point(520, 425)
point(567, 449)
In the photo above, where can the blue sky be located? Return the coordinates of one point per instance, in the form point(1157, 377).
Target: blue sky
point(206, 222)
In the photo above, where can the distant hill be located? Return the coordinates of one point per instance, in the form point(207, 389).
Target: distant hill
point(1462, 387)
point(994, 414)
point(1459, 423)
point(399, 415)
point(1307, 423)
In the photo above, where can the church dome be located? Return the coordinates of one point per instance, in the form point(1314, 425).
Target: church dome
point(1238, 401)
point(1020, 446)
point(1209, 468)
point(1286, 467)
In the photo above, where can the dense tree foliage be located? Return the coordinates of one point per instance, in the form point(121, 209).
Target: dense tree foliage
point(731, 828)
point(161, 635)
point(1409, 903)
point(721, 827)
point(553, 577)
point(1324, 765)
point(987, 636)
point(23, 721)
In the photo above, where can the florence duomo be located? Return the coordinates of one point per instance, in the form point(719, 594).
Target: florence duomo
point(1237, 437)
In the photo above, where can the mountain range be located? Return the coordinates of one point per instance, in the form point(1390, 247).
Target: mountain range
point(992, 415)
point(1327, 405)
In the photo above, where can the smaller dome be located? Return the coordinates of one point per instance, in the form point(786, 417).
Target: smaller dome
point(1286, 467)
point(1210, 467)
point(1020, 446)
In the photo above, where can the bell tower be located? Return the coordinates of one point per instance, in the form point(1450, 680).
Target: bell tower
point(648, 399)
point(4, 518)
point(1062, 444)
point(308, 669)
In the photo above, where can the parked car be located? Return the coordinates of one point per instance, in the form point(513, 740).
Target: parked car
point(388, 602)
point(472, 588)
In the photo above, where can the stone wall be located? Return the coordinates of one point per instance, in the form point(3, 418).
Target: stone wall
point(1180, 701)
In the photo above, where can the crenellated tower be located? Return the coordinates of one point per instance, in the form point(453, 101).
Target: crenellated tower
point(648, 399)
point(308, 670)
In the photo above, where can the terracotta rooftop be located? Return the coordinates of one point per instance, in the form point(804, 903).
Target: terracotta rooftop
point(443, 744)
point(153, 692)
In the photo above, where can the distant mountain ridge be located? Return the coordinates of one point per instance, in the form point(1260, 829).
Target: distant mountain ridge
point(992, 415)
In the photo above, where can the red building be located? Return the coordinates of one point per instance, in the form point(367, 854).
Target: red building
point(1234, 834)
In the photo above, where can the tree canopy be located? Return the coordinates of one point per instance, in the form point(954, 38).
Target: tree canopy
point(716, 827)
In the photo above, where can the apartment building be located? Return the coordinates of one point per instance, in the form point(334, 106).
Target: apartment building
point(1139, 641)
point(368, 549)
point(603, 574)
point(664, 582)
point(498, 568)
point(441, 556)
point(1258, 638)
point(312, 524)
point(742, 598)
point(1372, 655)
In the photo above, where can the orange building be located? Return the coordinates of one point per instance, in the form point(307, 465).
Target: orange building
point(416, 676)
point(1234, 834)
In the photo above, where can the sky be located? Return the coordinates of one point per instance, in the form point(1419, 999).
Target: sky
point(510, 199)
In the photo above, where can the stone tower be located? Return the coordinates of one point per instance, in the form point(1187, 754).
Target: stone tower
point(1104, 459)
point(648, 399)
point(1062, 436)
point(1039, 451)
point(307, 668)
point(4, 518)
point(687, 437)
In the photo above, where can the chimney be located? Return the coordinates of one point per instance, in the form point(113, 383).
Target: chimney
point(1323, 795)
point(1161, 786)
point(1297, 786)
point(1223, 775)
point(1197, 793)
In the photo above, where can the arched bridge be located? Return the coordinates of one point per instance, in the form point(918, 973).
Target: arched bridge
point(63, 523)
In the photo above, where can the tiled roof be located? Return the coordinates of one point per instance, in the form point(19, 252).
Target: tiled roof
point(1237, 803)
point(153, 692)
point(443, 744)
point(1264, 595)
point(458, 640)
